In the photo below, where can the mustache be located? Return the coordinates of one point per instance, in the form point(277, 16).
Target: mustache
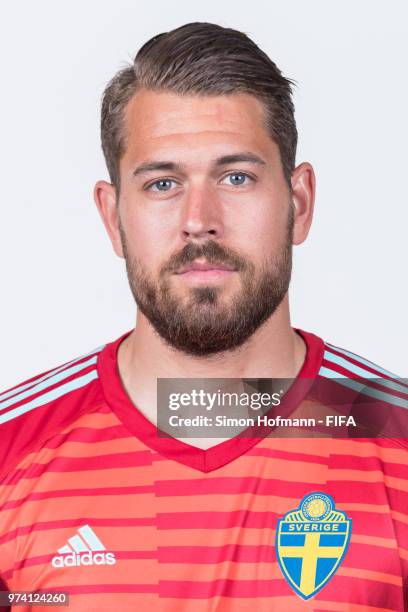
point(213, 252)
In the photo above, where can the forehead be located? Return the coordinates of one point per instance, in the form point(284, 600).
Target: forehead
point(164, 121)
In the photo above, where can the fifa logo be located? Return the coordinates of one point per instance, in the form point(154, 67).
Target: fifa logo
point(311, 543)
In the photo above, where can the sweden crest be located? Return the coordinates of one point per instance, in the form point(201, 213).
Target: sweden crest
point(311, 542)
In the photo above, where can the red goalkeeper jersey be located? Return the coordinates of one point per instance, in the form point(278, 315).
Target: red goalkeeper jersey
point(95, 504)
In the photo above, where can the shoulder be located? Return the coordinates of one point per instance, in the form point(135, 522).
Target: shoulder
point(37, 408)
point(337, 361)
point(378, 398)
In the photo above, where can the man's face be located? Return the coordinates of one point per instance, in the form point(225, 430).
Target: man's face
point(202, 183)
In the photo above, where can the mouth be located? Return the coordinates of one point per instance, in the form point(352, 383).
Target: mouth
point(204, 271)
point(197, 266)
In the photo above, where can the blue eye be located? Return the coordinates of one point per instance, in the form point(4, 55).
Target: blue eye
point(237, 178)
point(162, 185)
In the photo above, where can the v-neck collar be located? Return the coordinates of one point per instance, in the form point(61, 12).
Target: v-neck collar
point(205, 460)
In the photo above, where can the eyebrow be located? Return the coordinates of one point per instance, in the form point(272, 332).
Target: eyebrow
point(224, 160)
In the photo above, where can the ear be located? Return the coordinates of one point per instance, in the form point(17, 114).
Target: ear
point(106, 202)
point(303, 197)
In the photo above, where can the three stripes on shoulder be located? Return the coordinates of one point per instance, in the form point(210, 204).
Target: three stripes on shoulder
point(336, 360)
point(50, 386)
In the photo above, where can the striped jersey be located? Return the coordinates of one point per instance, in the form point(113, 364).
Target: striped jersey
point(95, 504)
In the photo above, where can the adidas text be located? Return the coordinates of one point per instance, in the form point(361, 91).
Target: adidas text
point(85, 558)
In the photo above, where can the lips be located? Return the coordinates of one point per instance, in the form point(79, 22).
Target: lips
point(203, 267)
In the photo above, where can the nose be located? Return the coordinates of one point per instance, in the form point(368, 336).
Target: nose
point(201, 215)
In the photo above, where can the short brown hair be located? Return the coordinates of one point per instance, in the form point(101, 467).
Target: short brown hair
point(203, 59)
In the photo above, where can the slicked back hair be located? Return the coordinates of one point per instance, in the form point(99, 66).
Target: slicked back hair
point(201, 59)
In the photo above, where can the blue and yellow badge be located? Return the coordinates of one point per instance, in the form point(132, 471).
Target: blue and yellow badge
point(311, 542)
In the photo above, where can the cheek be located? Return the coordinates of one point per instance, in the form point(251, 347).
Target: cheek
point(146, 221)
point(262, 223)
point(145, 234)
point(265, 236)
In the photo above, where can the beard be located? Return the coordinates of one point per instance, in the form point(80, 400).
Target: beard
point(204, 324)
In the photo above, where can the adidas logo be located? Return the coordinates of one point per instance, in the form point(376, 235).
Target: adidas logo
point(84, 548)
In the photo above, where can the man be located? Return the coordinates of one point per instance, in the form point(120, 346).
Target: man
point(204, 204)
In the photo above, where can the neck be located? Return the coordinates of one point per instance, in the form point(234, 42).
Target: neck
point(275, 350)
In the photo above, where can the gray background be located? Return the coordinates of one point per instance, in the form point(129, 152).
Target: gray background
point(64, 291)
